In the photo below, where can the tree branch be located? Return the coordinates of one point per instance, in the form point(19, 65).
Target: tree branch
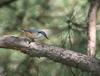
point(5, 2)
point(66, 57)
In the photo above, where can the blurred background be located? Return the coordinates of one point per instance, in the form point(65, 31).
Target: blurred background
point(64, 21)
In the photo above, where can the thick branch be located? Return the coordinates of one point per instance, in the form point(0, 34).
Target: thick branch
point(66, 57)
point(91, 47)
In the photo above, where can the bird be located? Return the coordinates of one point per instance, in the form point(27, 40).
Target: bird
point(34, 34)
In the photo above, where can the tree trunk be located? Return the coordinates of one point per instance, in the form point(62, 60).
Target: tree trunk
point(91, 24)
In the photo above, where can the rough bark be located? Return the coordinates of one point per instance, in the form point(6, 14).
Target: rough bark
point(66, 57)
point(91, 46)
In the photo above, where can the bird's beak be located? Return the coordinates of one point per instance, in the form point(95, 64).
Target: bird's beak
point(46, 37)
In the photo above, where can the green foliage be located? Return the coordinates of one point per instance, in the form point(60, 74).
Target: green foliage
point(66, 20)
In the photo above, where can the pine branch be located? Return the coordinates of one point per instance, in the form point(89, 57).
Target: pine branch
point(57, 54)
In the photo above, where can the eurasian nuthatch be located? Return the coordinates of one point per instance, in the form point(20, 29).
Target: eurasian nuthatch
point(34, 34)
